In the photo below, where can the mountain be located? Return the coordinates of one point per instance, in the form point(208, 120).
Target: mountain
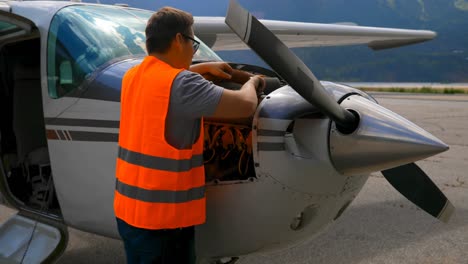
point(444, 59)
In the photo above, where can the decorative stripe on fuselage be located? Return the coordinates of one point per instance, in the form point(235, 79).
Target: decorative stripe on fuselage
point(270, 133)
point(77, 135)
point(268, 146)
point(70, 129)
point(81, 136)
point(82, 122)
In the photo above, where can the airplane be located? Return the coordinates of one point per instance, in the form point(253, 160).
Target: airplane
point(273, 180)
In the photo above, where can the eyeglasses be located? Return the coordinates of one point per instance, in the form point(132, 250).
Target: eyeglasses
point(195, 44)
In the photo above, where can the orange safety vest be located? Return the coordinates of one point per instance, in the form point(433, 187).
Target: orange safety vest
point(158, 186)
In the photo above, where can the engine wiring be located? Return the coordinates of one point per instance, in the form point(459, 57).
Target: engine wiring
point(227, 151)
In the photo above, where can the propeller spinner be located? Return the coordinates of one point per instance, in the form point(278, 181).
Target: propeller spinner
point(408, 179)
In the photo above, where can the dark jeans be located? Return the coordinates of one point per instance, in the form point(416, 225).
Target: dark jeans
point(144, 246)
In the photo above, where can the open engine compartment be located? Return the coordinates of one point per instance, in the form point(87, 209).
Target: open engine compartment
point(227, 152)
point(227, 149)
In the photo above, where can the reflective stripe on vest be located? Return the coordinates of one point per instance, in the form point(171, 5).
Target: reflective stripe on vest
point(160, 163)
point(157, 186)
point(159, 196)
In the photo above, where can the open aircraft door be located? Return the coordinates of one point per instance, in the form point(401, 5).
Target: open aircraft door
point(24, 240)
point(29, 236)
point(13, 26)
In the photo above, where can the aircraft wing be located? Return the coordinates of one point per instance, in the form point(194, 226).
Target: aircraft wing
point(216, 34)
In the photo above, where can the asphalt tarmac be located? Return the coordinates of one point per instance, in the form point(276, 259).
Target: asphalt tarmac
point(380, 226)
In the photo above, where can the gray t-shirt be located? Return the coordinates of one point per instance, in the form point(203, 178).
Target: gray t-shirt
point(192, 97)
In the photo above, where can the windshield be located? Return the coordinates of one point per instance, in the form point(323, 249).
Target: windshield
point(83, 38)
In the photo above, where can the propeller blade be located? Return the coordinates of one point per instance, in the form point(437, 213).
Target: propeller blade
point(416, 186)
point(282, 60)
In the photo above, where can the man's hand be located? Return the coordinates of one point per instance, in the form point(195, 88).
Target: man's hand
point(213, 71)
point(259, 83)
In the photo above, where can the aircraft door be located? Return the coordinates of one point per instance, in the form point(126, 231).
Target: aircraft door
point(24, 240)
point(26, 237)
point(14, 26)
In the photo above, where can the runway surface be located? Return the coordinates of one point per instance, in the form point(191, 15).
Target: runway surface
point(380, 226)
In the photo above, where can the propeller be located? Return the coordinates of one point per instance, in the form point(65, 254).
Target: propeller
point(416, 186)
point(284, 62)
point(408, 179)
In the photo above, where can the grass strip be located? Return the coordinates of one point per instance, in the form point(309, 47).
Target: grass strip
point(426, 90)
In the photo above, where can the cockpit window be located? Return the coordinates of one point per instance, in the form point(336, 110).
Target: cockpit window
point(4, 26)
point(84, 38)
point(8, 29)
point(204, 52)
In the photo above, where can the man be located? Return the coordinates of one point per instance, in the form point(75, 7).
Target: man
point(159, 195)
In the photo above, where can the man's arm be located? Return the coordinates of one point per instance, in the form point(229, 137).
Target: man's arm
point(213, 70)
point(233, 104)
point(241, 103)
point(220, 71)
